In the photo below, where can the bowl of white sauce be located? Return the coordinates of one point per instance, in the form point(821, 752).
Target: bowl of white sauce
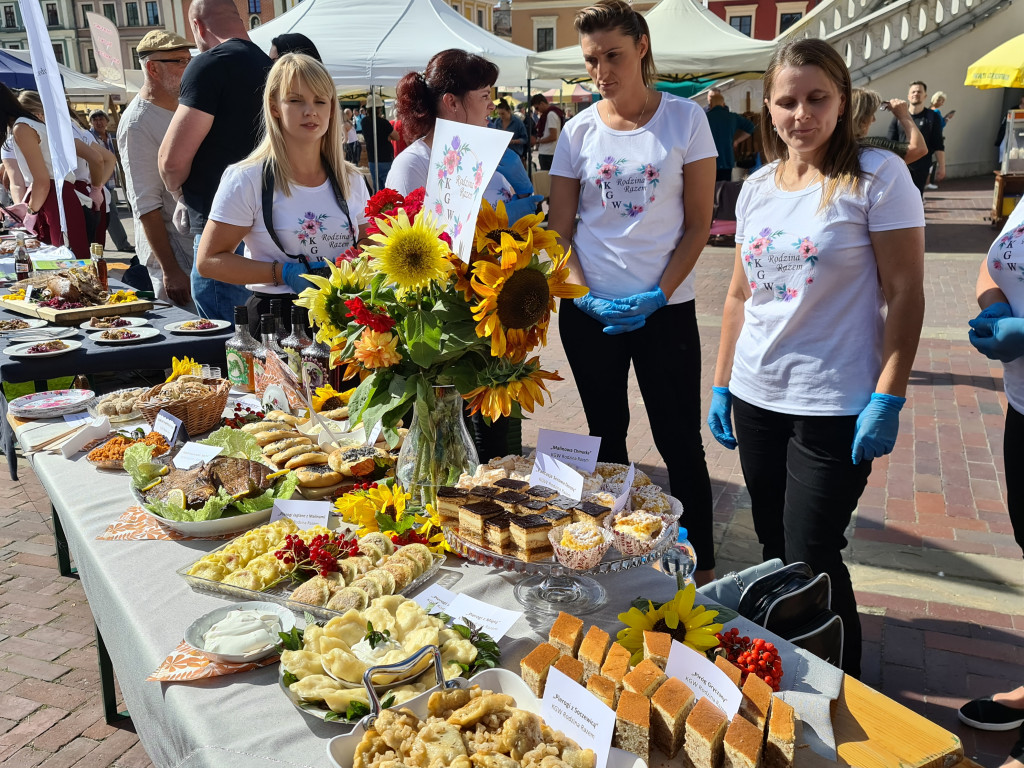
point(240, 632)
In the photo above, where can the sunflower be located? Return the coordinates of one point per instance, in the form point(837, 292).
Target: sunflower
point(377, 350)
point(691, 625)
point(505, 383)
point(326, 301)
point(410, 255)
point(516, 302)
point(327, 398)
point(390, 501)
point(429, 526)
point(497, 237)
point(357, 509)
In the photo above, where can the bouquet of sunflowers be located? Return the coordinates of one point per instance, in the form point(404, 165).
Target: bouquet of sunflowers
point(408, 316)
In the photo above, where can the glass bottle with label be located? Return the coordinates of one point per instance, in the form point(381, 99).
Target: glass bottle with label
point(100, 265)
point(277, 310)
point(22, 262)
point(239, 350)
point(316, 367)
point(296, 341)
point(269, 335)
point(259, 355)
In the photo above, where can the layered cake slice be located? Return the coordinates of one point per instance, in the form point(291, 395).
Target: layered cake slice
point(562, 502)
point(530, 537)
point(757, 701)
point(533, 507)
point(742, 745)
point(670, 706)
point(449, 500)
point(657, 646)
point(566, 634)
point(541, 492)
point(586, 511)
point(644, 678)
point(593, 650)
point(780, 749)
point(535, 666)
point(557, 516)
point(705, 729)
point(508, 484)
point(604, 689)
point(511, 500)
point(633, 725)
point(497, 535)
point(483, 492)
point(472, 517)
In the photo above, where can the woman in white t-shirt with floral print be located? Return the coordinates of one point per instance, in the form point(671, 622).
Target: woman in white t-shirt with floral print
point(639, 169)
point(821, 321)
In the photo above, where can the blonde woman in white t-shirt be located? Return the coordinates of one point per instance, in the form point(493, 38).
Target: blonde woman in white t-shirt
point(821, 321)
point(318, 199)
point(638, 168)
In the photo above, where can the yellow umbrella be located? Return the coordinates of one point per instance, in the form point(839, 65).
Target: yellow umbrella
point(1002, 67)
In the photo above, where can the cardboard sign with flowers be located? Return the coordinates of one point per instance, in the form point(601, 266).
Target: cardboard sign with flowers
point(425, 331)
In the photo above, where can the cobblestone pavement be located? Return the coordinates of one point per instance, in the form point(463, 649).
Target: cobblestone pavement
point(939, 578)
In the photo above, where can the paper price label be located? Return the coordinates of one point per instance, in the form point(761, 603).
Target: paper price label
point(495, 621)
point(578, 451)
point(622, 502)
point(555, 474)
point(192, 454)
point(434, 598)
point(572, 709)
point(304, 514)
point(704, 678)
point(170, 427)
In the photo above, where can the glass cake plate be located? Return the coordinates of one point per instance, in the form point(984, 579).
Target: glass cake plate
point(550, 587)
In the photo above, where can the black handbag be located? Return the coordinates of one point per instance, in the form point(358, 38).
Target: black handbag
point(795, 604)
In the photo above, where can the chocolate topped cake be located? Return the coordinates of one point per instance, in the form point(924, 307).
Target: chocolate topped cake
point(541, 492)
point(512, 485)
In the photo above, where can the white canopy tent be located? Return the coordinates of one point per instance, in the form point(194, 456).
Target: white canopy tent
point(77, 85)
point(689, 41)
point(376, 42)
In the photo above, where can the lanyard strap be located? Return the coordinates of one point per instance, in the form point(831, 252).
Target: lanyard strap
point(268, 208)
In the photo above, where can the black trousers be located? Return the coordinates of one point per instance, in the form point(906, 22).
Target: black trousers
point(665, 354)
point(803, 490)
point(545, 161)
point(1013, 449)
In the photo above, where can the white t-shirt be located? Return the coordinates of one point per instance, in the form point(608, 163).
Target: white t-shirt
point(631, 196)
point(811, 342)
point(44, 147)
point(82, 169)
point(553, 121)
point(1006, 267)
point(410, 169)
point(309, 222)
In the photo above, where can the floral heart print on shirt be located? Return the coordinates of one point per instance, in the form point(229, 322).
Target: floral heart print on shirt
point(1011, 247)
point(627, 188)
point(776, 272)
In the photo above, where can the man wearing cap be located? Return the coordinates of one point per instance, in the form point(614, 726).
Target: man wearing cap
point(216, 124)
point(166, 254)
point(99, 121)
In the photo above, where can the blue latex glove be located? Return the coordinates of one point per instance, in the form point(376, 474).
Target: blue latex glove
point(997, 334)
point(625, 326)
point(720, 417)
point(877, 427)
point(594, 307)
point(292, 274)
point(638, 305)
point(512, 168)
point(522, 206)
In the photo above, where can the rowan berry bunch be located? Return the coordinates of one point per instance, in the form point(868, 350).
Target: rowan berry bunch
point(320, 556)
point(757, 657)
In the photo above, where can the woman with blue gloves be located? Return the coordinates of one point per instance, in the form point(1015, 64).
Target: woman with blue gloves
point(998, 333)
point(294, 202)
point(638, 168)
point(822, 319)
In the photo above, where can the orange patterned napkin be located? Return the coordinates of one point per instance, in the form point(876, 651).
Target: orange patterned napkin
point(186, 663)
point(138, 525)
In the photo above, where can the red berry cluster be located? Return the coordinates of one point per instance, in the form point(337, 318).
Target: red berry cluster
point(363, 487)
point(756, 657)
point(320, 556)
point(243, 415)
point(409, 537)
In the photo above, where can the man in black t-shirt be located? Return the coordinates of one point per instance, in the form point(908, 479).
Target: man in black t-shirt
point(217, 123)
point(930, 126)
point(378, 134)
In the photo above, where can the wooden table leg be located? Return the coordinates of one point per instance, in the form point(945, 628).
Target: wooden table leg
point(109, 695)
point(60, 541)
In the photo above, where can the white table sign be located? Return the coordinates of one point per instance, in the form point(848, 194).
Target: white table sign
point(572, 709)
point(192, 454)
point(462, 160)
point(169, 426)
point(493, 620)
point(304, 514)
point(434, 598)
point(622, 502)
point(555, 474)
point(704, 678)
point(579, 451)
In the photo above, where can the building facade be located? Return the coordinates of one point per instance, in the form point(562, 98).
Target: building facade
point(60, 25)
point(761, 19)
point(480, 13)
point(133, 18)
point(543, 25)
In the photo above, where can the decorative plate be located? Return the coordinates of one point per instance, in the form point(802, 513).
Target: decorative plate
point(195, 631)
point(142, 335)
point(130, 322)
point(178, 327)
point(48, 405)
point(22, 350)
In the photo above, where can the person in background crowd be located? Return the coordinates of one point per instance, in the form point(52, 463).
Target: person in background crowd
point(828, 235)
point(526, 116)
point(318, 200)
point(711, 94)
point(292, 42)
point(1001, 134)
point(215, 124)
point(32, 153)
point(509, 122)
point(938, 100)
point(638, 167)
point(728, 130)
point(100, 122)
point(360, 115)
point(166, 253)
point(456, 86)
point(398, 144)
point(866, 104)
point(549, 124)
point(353, 149)
point(378, 135)
point(928, 123)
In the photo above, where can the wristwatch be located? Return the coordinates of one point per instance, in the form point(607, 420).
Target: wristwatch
point(29, 209)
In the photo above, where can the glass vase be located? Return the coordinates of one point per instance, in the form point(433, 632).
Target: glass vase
point(438, 448)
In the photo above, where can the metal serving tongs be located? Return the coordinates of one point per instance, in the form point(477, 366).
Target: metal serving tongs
point(401, 666)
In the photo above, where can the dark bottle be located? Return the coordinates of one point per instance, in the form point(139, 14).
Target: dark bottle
point(269, 335)
point(296, 341)
point(316, 367)
point(22, 262)
point(239, 351)
point(277, 310)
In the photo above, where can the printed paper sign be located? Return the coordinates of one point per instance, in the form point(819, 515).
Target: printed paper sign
point(622, 502)
point(704, 678)
point(572, 709)
point(304, 514)
point(192, 454)
point(558, 475)
point(28, 292)
point(579, 451)
point(434, 598)
point(493, 620)
point(374, 435)
point(170, 427)
point(463, 159)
